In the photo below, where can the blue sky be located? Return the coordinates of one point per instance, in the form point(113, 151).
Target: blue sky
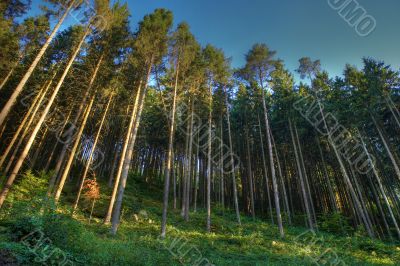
point(294, 28)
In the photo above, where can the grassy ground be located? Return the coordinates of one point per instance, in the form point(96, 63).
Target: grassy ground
point(57, 236)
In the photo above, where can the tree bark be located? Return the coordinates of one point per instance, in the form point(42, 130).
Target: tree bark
point(73, 152)
point(232, 161)
point(209, 159)
point(265, 172)
point(274, 182)
point(90, 157)
point(169, 156)
point(107, 218)
point(128, 157)
point(11, 101)
point(28, 145)
point(300, 172)
point(25, 124)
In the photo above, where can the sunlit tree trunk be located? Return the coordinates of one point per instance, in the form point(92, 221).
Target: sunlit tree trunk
point(196, 181)
point(232, 161)
point(381, 189)
point(282, 180)
point(7, 77)
point(90, 157)
point(42, 118)
point(265, 172)
point(300, 173)
point(25, 124)
point(11, 101)
point(72, 155)
point(169, 156)
point(82, 105)
point(117, 178)
point(332, 195)
point(357, 207)
point(209, 148)
point(271, 156)
point(250, 175)
point(54, 177)
point(221, 172)
point(386, 145)
point(305, 176)
point(190, 157)
point(128, 157)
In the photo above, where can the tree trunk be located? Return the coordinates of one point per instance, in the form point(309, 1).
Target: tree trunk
point(209, 160)
point(28, 145)
point(380, 185)
point(107, 218)
point(128, 157)
point(189, 168)
point(221, 150)
point(305, 176)
point(64, 151)
point(232, 161)
point(90, 156)
point(250, 175)
point(391, 156)
point(274, 182)
point(332, 195)
point(25, 124)
point(300, 172)
point(169, 157)
point(349, 186)
point(196, 182)
point(73, 152)
point(265, 172)
point(5, 80)
point(7, 107)
point(282, 180)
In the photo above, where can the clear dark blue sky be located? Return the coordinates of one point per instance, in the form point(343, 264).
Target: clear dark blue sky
point(294, 28)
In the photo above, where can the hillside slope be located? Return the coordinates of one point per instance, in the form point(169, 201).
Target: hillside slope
point(34, 235)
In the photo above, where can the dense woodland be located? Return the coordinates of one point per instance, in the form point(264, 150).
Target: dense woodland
point(92, 106)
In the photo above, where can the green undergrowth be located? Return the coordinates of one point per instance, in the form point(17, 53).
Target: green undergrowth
point(27, 216)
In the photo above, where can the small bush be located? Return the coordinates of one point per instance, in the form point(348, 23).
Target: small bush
point(335, 223)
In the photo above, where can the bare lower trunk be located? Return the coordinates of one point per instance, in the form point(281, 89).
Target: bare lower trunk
point(358, 207)
point(196, 181)
point(273, 175)
point(209, 161)
point(90, 157)
point(381, 189)
point(128, 157)
point(5, 80)
point(332, 195)
point(73, 152)
point(221, 150)
point(305, 176)
point(386, 145)
point(282, 180)
point(25, 125)
point(69, 133)
point(11, 101)
point(107, 218)
point(300, 173)
point(189, 167)
point(265, 173)
point(169, 158)
point(28, 145)
point(91, 211)
point(232, 161)
point(250, 176)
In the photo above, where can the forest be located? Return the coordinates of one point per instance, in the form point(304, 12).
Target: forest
point(124, 145)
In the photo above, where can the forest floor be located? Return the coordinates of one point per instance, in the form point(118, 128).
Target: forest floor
point(30, 235)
